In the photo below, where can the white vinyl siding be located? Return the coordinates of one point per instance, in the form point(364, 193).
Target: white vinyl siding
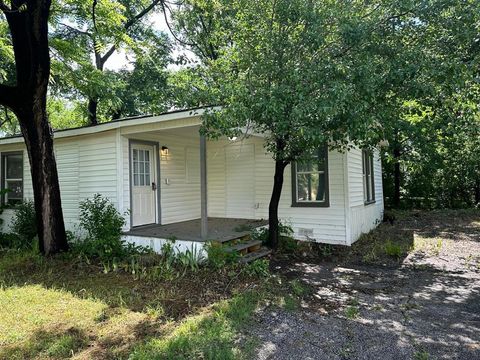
point(180, 198)
point(363, 217)
point(327, 224)
point(86, 165)
point(240, 180)
point(67, 155)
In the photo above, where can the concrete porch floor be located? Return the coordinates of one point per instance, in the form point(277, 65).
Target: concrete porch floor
point(219, 229)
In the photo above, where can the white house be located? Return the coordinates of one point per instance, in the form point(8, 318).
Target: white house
point(174, 183)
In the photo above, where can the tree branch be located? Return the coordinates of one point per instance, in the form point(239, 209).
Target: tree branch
point(94, 20)
point(128, 25)
point(141, 14)
point(78, 31)
point(184, 43)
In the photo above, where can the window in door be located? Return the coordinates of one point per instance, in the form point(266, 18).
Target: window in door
point(141, 167)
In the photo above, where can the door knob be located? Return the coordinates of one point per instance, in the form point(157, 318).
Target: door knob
point(154, 186)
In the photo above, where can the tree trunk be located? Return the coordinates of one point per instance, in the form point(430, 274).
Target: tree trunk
point(46, 190)
point(273, 233)
point(92, 111)
point(397, 177)
point(28, 99)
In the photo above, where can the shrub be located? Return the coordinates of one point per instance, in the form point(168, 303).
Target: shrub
point(103, 224)
point(100, 219)
point(10, 241)
point(24, 224)
point(286, 242)
point(392, 249)
point(258, 268)
point(260, 234)
point(218, 257)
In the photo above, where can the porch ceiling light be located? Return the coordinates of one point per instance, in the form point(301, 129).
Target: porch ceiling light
point(165, 151)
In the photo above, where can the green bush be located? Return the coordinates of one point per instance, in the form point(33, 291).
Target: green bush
point(218, 257)
point(258, 268)
point(103, 225)
point(24, 225)
point(10, 241)
point(393, 250)
point(286, 241)
point(100, 218)
point(260, 234)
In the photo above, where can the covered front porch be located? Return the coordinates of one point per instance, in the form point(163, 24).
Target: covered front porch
point(186, 188)
point(180, 185)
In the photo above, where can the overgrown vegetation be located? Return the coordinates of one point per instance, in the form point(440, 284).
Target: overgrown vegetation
point(55, 307)
point(103, 241)
point(218, 256)
point(24, 224)
point(409, 232)
point(287, 243)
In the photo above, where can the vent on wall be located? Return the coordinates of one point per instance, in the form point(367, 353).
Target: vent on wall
point(305, 232)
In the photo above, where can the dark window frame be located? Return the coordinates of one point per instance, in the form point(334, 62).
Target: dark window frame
point(324, 203)
point(3, 175)
point(368, 177)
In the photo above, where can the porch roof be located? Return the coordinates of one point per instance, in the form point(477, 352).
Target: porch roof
point(115, 124)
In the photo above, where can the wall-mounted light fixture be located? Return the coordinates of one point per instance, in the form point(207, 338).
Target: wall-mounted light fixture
point(164, 151)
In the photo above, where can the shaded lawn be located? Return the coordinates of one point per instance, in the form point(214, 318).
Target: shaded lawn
point(62, 308)
point(52, 308)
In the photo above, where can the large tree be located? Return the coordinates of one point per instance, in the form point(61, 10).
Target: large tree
point(304, 74)
point(27, 98)
point(85, 36)
point(438, 97)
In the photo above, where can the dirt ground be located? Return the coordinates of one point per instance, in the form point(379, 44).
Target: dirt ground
point(408, 290)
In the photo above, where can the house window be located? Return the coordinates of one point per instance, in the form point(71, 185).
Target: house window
point(310, 180)
point(12, 177)
point(368, 177)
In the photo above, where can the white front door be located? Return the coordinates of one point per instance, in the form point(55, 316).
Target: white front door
point(143, 184)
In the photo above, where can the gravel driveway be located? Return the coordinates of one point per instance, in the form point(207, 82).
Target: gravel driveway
point(426, 306)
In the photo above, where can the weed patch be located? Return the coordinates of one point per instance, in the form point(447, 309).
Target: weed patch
point(393, 250)
point(352, 312)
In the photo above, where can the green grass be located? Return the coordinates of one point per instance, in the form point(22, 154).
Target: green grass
point(421, 355)
point(299, 288)
point(352, 312)
point(210, 335)
point(53, 308)
point(393, 249)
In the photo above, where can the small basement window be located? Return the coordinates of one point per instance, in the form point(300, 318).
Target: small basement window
point(368, 177)
point(12, 177)
point(310, 180)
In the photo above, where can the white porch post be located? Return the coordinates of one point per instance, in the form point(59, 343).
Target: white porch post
point(203, 187)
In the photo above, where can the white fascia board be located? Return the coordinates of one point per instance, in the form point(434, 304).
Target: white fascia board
point(114, 125)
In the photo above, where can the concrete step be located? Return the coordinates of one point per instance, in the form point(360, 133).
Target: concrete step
point(245, 247)
point(262, 252)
